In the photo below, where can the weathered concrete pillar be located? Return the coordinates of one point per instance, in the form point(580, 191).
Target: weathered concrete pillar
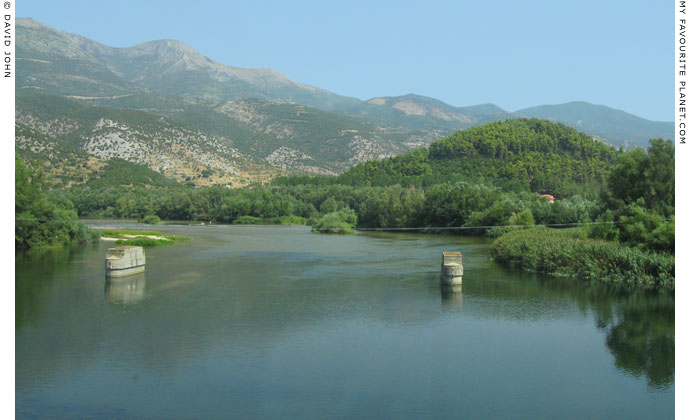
point(451, 268)
point(125, 260)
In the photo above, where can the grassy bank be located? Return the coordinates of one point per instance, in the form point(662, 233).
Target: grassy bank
point(141, 238)
point(567, 252)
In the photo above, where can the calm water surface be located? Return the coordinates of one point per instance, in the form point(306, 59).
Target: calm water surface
point(276, 322)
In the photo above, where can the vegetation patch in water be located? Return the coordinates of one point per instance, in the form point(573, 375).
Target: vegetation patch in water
point(569, 252)
point(339, 222)
point(141, 237)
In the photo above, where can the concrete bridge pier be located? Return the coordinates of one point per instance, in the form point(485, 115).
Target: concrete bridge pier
point(451, 269)
point(124, 261)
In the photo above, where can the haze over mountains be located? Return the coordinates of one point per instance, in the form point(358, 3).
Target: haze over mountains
point(611, 125)
point(169, 102)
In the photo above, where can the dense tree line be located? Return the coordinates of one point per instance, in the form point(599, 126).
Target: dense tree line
point(442, 205)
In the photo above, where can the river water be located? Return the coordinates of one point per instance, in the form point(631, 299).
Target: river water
point(277, 322)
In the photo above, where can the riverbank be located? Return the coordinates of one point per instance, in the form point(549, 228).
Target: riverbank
point(567, 252)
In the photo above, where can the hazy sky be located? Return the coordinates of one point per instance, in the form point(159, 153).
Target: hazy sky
point(510, 53)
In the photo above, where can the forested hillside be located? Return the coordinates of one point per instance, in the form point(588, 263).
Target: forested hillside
point(517, 154)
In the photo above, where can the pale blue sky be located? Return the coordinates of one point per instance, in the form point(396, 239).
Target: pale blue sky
point(514, 54)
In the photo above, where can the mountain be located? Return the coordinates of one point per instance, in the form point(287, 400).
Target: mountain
point(235, 142)
point(422, 113)
point(164, 105)
point(334, 140)
point(196, 96)
point(611, 125)
point(50, 60)
point(74, 65)
point(61, 133)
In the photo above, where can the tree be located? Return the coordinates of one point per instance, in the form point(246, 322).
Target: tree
point(641, 195)
point(650, 176)
point(40, 221)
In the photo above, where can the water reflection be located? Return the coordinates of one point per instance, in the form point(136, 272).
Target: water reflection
point(451, 298)
point(641, 337)
point(639, 324)
point(125, 290)
point(39, 269)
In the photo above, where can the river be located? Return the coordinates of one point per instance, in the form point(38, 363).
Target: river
point(277, 322)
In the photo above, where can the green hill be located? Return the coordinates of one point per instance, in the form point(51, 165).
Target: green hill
point(518, 154)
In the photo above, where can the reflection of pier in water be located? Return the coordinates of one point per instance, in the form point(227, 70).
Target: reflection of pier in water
point(451, 297)
point(125, 290)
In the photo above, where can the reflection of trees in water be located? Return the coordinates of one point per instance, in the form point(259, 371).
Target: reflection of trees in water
point(642, 339)
point(32, 280)
point(638, 322)
point(640, 329)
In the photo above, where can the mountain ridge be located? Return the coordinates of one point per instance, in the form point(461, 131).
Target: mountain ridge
point(613, 125)
point(172, 67)
point(210, 79)
point(271, 121)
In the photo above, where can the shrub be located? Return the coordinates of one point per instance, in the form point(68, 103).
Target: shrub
point(335, 222)
point(152, 219)
point(647, 230)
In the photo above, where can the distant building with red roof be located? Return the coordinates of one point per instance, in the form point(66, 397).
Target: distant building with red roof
point(551, 199)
